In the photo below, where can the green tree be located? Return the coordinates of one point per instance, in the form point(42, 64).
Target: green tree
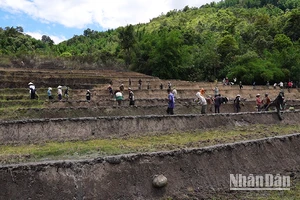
point(127, 41)
point(281, 42)
point(47, 39)
point(292, 28)
point(227, 47)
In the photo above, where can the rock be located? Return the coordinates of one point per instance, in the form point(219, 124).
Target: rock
point(159, 181)
point(292, 108)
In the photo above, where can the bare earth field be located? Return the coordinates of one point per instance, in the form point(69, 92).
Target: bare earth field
point(195, 152)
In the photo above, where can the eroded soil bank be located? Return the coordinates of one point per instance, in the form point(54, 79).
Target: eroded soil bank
point(191, 173)
point(66, 129)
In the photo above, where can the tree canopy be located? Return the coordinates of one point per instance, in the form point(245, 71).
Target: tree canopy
point(252, 40)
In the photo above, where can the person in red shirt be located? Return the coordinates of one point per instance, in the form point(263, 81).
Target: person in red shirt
point(258, 102)
point(290, 85)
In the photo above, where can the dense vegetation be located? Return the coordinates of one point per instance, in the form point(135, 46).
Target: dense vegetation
point(252, 40)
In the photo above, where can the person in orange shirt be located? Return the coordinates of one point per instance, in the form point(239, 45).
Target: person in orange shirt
point(202, 91)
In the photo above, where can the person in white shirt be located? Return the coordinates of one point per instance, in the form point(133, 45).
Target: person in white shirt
point(202, 101)
point(32, 90)
point(119, 97)
point(59, 92)
point(174, 91)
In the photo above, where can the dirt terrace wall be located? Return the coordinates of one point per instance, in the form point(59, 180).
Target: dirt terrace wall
point(191, 173)
point(30, 131)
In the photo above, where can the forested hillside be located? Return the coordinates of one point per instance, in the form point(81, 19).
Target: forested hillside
point(252, 40)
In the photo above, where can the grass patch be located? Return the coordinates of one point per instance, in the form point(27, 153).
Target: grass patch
point(151, 143)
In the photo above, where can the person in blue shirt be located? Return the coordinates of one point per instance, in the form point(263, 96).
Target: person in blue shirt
point(49, 93)
point(171, 102)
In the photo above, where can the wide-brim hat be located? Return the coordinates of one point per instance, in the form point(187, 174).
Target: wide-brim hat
point(238, 95)
point(258, 95)
point(49, 88)
point(59, 86)
point(30, 83)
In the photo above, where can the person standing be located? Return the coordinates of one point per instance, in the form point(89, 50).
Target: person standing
point(169, 85)
point(268, 84)
point(258, 102)
point(171, 102)
point(49, 93)
point(216, 91)
point(140, 84)
point(237, 103)
point(290, 85)
point(217, 103)
point(281, 85)
point(202, 101)
point(174, 91)
point(59, 93)
point(241, 85)
point(88, 95)
point(131, 97)
point(32, 90)
point(66, 93)
point(161, 86)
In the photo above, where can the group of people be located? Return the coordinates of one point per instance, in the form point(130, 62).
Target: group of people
point(119, 94)
point(262, 104)
point(216, 101)
point(60, 93)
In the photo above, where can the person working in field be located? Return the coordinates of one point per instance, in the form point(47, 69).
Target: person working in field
point(131, 97)
point(171, 102)
point(32, 90)
point(201, 100)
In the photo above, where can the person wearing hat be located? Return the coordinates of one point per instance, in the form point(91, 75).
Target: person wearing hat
point(201, 100)
point(32, 90)
point(88, 96)
point(59, 93)
point(236, 103)
point(49, 93)
point(131, 97)
point(258, 102)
